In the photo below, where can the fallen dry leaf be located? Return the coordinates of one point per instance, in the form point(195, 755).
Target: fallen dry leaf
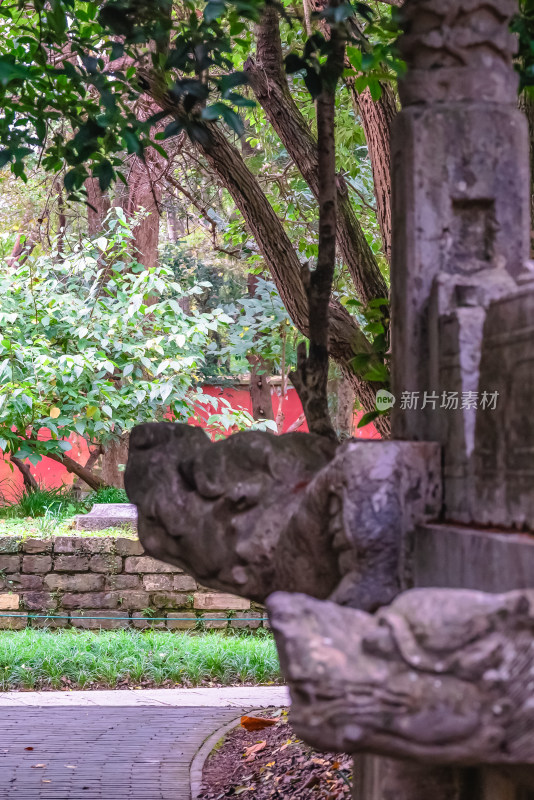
point(250, 752)
point(257, 723)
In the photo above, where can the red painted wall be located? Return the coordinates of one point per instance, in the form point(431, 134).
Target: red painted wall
point(51, 474)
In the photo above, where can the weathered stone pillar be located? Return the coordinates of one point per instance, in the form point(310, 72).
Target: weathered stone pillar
point(461, 211)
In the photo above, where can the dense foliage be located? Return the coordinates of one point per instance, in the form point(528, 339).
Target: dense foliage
point(92, 343)
point(71, 72)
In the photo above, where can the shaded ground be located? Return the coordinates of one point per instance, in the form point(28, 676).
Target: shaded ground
point(274, 763)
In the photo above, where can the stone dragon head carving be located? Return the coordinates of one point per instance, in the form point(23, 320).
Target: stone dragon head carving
point(257, 513)
point(441, 675)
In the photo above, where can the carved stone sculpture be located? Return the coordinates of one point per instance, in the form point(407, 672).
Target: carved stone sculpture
point(442, 676)
point(457, 50)
point(255, 513)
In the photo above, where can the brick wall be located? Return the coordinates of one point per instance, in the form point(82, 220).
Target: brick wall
point(75, 578)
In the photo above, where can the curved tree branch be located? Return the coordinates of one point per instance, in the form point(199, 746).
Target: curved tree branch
point(269, 84)
point(89, 477)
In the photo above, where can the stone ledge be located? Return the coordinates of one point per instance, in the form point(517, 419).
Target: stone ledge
point(107, 515)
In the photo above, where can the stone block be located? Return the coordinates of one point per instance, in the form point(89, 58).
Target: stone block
point(147, 564)
point(217, 619)
point(169, 600)
point(99, 545)
point(146, 623)
point(93, 599)
point(105, 620)
point(39, 564)
point(14, 623)
point(71, 564)
point(184, 583)
point(9, 544)
point(106, 563)
point(128, 547)
point(220, 600)
point(68, 544)
point(36, 546)
point(186, 621)
point(74, 583)
point(158, 583)
point(9, 563)
point(9, 602)
point(107, 515)
point(133, 600)
point(39, 601)
point(61, 620)
point(246, 619)
point(119, 582)
point(33, 583)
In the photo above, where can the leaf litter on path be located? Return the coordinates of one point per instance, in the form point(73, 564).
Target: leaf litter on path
point(275, 766)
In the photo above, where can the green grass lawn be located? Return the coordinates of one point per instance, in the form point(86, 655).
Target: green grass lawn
point(34, 659)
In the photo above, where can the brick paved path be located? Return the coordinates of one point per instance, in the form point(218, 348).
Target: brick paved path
point(106, 752)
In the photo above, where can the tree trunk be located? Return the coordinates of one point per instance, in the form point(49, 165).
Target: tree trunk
point(29, 481)
point(144, 191)
point(260, 388)
point(98, 206)
point(310, 379)
point(377, 118)
point(342, 396)
point(89, 477)
point(113, 457)
point(270, 87)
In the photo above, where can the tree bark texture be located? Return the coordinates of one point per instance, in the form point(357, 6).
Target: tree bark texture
point(144, 192)
point(260, 389)
point(29, 481)
point(269, 84)
point(343, 398)
point(377, 117)
point(98, 206)
point(112, 457)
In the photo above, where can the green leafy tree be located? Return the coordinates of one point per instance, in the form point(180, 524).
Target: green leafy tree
point(92, 343)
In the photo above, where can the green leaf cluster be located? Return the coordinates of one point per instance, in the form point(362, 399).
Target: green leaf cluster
point(93, 343)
